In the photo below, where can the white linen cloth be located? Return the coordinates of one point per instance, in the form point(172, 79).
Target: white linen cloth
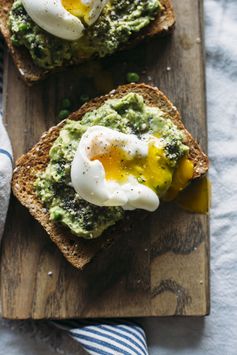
point(216, 334)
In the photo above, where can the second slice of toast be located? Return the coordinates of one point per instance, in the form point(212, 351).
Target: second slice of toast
point(162, 25)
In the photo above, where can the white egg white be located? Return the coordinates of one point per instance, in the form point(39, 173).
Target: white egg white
point(96, 7)
point(89, 179)
point(52, 17)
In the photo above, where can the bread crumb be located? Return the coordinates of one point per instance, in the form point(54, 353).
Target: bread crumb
point(21, 71)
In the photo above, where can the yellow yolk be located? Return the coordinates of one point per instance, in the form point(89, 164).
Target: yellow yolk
point(196, 197)
point(152, 171)
point(76, 8)
point(182, 176)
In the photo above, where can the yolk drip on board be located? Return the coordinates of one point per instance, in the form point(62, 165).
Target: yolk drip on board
point(182, 175)
point(196, 197)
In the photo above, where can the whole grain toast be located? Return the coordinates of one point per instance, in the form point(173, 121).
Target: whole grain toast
point(78, 251)
point(162, 25)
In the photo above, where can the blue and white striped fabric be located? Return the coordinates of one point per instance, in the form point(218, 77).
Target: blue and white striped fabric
point(107, 336)
point(6, 164)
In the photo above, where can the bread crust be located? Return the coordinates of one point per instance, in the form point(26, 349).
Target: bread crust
point(78, 251)
point(162, 25)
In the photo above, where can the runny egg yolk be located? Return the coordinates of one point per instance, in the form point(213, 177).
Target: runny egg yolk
point(76, 8)
point(196, 197)
point(152, 170)
point(182, 176)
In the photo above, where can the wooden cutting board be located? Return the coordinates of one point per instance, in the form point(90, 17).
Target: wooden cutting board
point(161, 266)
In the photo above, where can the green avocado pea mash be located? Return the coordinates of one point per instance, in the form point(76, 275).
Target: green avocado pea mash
point(129, 115)
point(119, 20)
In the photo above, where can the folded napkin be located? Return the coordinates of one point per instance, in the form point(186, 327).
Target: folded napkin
point(104, 337)
point(5, 160)
point(107, 337)
point(5, 174)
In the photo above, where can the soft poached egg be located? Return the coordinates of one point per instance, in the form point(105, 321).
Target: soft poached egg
point(64, 18)
point(111, 168)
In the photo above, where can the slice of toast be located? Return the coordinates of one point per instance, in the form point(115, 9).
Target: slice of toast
point(163, 24)
point(78, 251)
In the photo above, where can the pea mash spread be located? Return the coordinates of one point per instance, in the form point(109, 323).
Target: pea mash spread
point(129, 115)
point(119, 20)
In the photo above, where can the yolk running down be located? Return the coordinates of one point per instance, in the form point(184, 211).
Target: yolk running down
point(182, 176)
point(152, 171)
point(76, 8)
point(155, 172)
point(196, 197)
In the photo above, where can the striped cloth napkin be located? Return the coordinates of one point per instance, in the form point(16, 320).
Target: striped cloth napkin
point(107, 337)
point(101, 337)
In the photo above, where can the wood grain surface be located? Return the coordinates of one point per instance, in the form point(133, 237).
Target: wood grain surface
point(161, 265)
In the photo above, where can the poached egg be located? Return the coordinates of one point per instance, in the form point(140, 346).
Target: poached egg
point(111, 168)
point(64, 18)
